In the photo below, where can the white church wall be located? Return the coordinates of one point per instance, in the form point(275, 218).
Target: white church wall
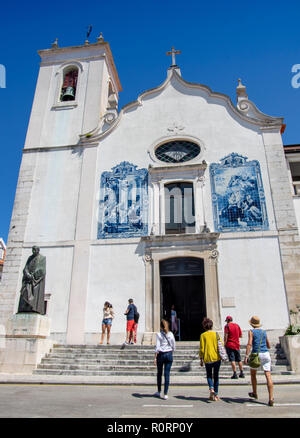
point(117, 273)
point(251, 281)
point(204, 118)
point(53, 206)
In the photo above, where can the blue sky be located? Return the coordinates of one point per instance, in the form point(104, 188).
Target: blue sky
point(258, 41)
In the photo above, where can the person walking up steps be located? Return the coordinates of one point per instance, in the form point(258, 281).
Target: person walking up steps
point(232, 335)
point(209, 355)
point(258, 340)
point(165, 345)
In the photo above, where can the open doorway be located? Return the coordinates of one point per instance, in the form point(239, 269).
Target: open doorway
point(183, 285)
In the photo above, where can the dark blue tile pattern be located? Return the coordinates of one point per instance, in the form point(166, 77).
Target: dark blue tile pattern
point(238, 195)
point(123, 206)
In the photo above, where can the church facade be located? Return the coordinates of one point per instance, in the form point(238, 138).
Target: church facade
point(182, 197)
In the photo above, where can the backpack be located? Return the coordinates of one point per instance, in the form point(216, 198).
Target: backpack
point(136, 315)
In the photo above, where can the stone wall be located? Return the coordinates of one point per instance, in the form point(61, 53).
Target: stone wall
point(12, 268)
point(289, 238)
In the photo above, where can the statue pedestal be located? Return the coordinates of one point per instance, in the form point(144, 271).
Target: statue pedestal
point(25, 343)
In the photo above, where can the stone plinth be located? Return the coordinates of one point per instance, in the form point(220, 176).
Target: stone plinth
point(25, 342)
point(291, 346)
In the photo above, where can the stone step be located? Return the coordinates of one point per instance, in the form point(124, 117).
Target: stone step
point(139, 373)
point(131, 361)
point(101, 360)
point(137, 367)
point(136, 358)
point(136, 350)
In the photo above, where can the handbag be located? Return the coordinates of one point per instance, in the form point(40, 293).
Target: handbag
point(254, 360)
point(221, 349)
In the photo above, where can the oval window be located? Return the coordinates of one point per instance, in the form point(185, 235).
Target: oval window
point(177, 151)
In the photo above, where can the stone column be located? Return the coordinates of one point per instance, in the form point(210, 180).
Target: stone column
point(199, 207)
point(162, 207)
point(148, 294)
point(211, 288)
point(156, 296)
point(156, 204)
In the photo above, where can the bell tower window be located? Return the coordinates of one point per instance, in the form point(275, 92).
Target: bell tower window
point(68, 90)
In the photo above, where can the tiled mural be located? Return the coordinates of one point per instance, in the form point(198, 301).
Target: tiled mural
point(123, 210)
point(238, 195)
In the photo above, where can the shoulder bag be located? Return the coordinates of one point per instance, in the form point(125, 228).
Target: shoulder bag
point(254, 361)
point(221, 349)
point(163, 333)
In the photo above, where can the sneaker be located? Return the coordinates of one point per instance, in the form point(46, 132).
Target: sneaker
point(242, 375)
point(157, 394)
point(131, 343)
point(234, 376)
point(165, 397)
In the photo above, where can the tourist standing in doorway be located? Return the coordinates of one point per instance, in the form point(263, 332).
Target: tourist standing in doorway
point(174, 322)
point(165, 345)
point(108, 316)
point(232, 335)
point(129, 312)
point(258, 340)
point(209, 356)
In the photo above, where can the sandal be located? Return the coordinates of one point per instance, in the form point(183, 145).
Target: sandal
point(216, 398)
point(211, 395)
point(271, 403)
point(253, 395)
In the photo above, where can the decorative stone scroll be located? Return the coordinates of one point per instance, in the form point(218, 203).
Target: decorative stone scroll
point(238, 195)
point(123, 209)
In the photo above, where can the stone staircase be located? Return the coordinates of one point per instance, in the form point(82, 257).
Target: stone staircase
point(137, 360)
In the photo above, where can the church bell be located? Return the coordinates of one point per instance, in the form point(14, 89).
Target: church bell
point(68, 94)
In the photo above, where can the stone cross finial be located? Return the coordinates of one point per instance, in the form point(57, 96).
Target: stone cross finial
point(241, 91)
point(54, 44)
point(100, 38)
point(173, 53)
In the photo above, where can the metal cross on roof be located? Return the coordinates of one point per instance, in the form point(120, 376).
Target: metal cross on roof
point(173, 53)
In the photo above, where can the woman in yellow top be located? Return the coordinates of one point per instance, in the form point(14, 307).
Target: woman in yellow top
point(210, 357)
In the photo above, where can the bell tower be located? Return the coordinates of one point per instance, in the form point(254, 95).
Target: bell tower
point(75, 87)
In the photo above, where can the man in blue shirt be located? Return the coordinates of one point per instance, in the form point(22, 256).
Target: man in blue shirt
point(130, 311)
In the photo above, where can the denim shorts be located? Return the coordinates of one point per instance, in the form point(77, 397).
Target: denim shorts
point(233, 355)
point(107, 321)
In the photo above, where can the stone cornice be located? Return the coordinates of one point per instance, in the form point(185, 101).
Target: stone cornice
point(174, 240)
point(153, 170)
point(246, 111)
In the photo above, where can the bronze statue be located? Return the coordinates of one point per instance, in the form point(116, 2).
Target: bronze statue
point(33, 284)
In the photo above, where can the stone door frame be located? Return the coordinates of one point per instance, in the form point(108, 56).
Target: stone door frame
point(159, 248)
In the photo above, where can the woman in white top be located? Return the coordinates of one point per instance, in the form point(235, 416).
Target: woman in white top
point(165, 345)
point(108, 315)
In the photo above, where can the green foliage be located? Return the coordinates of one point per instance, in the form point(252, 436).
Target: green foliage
point(292, 330)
